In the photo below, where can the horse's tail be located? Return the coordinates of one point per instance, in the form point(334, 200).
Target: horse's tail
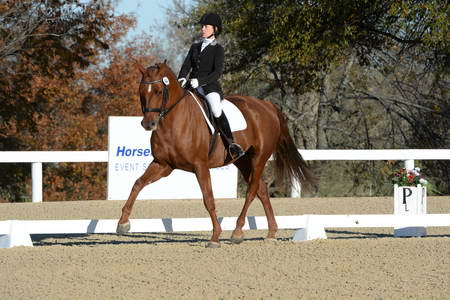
point(289, 163)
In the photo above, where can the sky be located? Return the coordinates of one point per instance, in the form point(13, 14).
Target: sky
point(148, 12)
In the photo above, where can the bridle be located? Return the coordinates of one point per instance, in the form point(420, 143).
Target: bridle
point(162, 110)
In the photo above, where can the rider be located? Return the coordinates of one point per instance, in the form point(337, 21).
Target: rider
point(204, 61)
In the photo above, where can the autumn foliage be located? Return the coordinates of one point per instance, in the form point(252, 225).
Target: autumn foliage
point(71, 71)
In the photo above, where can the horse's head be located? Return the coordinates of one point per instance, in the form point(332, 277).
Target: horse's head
point(157, 87)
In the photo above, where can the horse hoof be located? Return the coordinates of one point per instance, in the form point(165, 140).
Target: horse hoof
point(212, 245)
point(123, 228)
point(236, 241)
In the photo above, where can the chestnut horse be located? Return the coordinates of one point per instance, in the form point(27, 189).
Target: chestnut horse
point(181, 140)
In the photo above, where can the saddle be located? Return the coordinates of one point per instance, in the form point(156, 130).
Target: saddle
point(210, 116)
point(228, 109)
point(206, 107)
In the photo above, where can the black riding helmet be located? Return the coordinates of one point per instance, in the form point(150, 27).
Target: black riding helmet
point(212, 19)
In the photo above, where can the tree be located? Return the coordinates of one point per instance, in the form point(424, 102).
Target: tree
point(47, 38)
point(66, 70)
point(347, 74)
point(80, 122)
point(41, 39)
point(301, 40)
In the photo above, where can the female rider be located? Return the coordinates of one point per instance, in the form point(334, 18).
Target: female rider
point(204, 62)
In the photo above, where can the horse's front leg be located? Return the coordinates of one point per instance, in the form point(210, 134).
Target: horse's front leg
point(154, 172)
point(204, 180)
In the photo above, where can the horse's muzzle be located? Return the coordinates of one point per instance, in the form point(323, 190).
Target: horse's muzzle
point(150, 125)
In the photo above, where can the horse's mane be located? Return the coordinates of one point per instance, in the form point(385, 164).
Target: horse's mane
point(164, 69)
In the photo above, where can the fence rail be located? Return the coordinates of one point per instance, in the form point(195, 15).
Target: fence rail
point(18, 232)
point(36, 158)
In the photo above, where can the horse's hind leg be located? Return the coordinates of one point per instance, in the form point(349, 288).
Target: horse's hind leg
point(263, 195)
point(257, 186)
point(153, 173)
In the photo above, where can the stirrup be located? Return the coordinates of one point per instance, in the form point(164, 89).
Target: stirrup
point(235, 150)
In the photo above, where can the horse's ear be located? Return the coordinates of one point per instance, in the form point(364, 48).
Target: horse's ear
point(140, 67)
point(165, 61)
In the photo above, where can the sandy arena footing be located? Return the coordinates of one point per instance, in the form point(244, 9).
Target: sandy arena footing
point(364, 263)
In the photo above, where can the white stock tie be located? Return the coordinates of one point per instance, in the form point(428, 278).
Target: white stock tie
point(205, 43)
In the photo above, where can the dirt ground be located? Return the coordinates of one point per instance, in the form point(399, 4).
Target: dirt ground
point(351, 264)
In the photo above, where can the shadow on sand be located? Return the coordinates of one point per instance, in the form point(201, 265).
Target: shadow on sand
point(180, 238)
point(126, 239)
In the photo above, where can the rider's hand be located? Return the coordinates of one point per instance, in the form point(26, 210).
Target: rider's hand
point(182, 81)
point(194, 83)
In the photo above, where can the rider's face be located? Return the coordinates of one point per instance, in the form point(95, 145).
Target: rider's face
point(207, 30)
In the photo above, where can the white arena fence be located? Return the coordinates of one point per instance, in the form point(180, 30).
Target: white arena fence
point(37, 158)
point(18, 232)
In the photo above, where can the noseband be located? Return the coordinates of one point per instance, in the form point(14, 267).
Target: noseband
point(162, 110)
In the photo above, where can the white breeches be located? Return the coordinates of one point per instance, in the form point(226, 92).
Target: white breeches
point(214, 102)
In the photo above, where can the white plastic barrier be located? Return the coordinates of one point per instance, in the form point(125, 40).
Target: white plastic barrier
point(17, 233)
point(317, 223)
point(39, 157)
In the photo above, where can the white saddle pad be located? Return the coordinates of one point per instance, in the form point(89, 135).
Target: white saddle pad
point(234, 115)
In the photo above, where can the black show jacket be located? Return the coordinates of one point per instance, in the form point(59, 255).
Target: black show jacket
point(207, 66)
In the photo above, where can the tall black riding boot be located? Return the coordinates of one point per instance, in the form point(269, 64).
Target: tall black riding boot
point(234, 149)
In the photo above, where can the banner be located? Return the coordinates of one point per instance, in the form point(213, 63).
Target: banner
point(129, 154)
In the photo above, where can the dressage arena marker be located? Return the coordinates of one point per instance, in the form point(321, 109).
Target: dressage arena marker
point(312, 230)
point(17, 232)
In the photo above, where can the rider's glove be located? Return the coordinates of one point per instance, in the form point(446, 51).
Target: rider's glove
point(194, 83)
point(182, 81)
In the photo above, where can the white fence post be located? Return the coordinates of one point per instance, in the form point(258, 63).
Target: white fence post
point(296, 189)
point(409, 164)
point(36, 177)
